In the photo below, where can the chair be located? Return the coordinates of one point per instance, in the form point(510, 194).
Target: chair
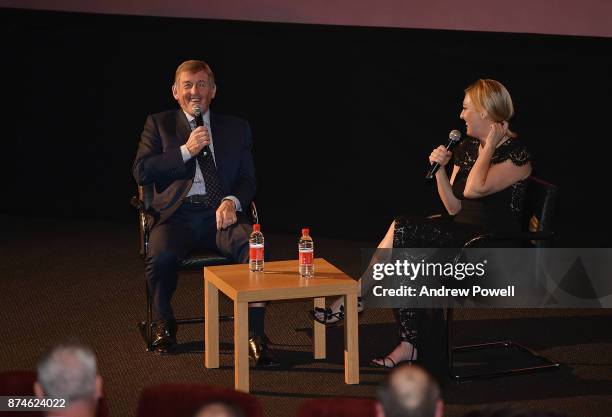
point(338, 407)
point(21, 383)
point(538, 217)
point(183, 400)
point(198, 259)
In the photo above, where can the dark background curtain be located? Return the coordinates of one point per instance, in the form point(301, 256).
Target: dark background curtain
point(343, 117)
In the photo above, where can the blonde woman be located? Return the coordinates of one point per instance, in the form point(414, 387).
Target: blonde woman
point(484, 193)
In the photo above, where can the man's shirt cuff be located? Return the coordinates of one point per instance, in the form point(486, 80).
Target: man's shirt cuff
point(235, 200)
point(185, 153)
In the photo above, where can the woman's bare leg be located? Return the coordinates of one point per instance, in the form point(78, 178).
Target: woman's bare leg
point(386, 243)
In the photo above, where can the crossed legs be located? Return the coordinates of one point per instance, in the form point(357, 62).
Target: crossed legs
point(170, 242)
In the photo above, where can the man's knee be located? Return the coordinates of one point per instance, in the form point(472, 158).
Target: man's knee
point(161, 261)
point(242, 232)
point(234, 241)
point(236, 235)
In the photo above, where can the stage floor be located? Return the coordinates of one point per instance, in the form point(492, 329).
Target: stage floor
point(83, 278)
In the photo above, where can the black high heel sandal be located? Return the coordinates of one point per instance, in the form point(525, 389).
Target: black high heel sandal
point(327, 317)
point(384, 362)
point(381, 362)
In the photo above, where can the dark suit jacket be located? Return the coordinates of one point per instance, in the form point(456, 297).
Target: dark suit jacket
point(159, 160)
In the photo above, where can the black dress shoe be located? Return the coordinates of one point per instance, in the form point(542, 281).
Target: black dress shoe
point(164, 338)
point(259, 354)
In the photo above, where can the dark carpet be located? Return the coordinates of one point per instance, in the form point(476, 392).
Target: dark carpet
point(85, 279)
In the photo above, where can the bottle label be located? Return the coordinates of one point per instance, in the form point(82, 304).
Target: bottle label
point(256, 252)
point(306, 258)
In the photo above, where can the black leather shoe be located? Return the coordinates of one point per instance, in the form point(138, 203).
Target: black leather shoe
point(259, 354)
point(164, 338)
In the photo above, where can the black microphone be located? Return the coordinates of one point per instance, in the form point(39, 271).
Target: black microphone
point(199, 120)
point(453, 138)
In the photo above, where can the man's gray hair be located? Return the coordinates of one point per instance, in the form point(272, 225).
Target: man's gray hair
point(68, 371)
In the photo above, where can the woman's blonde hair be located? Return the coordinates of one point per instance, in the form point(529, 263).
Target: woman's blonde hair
point(492, 97)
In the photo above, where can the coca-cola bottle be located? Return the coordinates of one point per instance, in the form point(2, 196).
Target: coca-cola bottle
point(306, 254)
point(256, 249)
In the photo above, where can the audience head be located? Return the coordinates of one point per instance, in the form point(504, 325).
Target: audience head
point(68, 371)
point(410, 391)
point(486, 101)
point(220, 409)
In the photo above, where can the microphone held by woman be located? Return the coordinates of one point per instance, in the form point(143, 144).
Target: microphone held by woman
point(453, 138)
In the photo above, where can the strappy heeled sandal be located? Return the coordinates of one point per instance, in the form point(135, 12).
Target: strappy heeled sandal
point(384, 359)
point(384, 362)
point(327, 317)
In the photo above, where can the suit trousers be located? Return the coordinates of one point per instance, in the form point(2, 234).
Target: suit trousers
point(190, 227)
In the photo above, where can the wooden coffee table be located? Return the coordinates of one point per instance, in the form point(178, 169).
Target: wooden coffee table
point(279, 281)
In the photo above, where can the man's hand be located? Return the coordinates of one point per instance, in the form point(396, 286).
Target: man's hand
point(198, 138)
point(226, 214)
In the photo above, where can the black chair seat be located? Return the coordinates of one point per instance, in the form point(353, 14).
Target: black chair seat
point(200, 258)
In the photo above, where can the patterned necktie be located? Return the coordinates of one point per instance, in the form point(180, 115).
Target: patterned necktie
point(209, 172)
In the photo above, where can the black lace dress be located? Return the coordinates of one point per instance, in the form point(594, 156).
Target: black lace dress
point(496, 212)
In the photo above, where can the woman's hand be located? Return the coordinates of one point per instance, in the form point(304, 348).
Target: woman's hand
point(440, 155)
point(497, 132)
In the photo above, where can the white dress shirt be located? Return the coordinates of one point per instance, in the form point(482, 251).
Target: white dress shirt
point(199, 187)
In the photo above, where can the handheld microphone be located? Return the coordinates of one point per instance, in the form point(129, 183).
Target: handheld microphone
point(199, 120)
point(453, 138)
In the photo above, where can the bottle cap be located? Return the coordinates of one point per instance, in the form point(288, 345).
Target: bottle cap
point(305, 231)
point(256, 227)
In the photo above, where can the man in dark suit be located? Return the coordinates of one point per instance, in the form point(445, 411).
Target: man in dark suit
point(204, 180)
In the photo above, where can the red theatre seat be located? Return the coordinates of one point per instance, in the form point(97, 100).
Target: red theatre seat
point(338, 407)
point(21, 383)
point(183, 400)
